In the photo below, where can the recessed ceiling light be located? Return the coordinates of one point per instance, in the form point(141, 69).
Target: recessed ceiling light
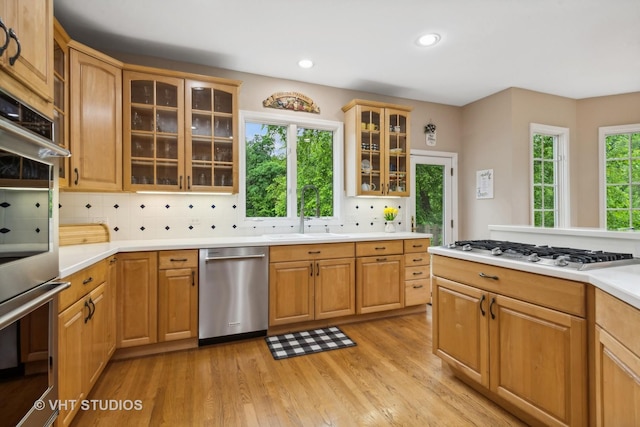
point(428, 39)
point(305, 63)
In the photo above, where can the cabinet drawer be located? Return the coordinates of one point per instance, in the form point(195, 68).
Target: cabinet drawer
point(619, 319)
point(417, 292)
point(416, 245)
point(177, 259)
point(416, 259)
point(82, 282)
point(380, 247)
point(306, 252)
point(560, 294)
point(416, 272)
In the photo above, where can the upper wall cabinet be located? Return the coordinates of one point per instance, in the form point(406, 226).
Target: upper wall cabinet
point(179, 134)
point(61, 98)
point(27, 59)
point(96, 120)
point(377, 147)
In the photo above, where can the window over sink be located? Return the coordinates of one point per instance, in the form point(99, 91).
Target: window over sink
point(280, 155)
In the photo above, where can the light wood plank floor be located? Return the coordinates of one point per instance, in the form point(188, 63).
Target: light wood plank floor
point(390, 378)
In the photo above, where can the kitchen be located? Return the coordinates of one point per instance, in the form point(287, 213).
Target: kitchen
point(505, 116)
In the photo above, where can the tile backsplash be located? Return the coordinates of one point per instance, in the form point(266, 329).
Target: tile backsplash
point(132, 216)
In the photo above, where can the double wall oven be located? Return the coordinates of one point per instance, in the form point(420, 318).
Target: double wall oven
point(28, 265)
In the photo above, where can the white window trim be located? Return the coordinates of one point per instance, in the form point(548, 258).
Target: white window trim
point(602, 181)
point(562, 169)
point(338, 149)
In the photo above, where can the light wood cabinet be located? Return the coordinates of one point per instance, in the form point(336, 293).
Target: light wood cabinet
point(27, 62)
point(417, 284)
point(83, 337)
point(96, 120)
point(529, 356)
point(177, 295)
point(137, 296)
point(157, 297)
point(112, 301)
point(617, 362)
point(377, 148)
point(61, 98)
point(318, 282)
point(380, 278)
point(180, 134)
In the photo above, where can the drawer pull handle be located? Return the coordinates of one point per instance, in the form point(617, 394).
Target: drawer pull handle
point(417, 246)
point(486, 276)
point(484, 297)
point(417, 259)
point(178, 259)
point(381, 248)
point(493, 301)
point(113, 260)
point(380, 259)
point(314, 252)
point(87, 281)
point(417, 286)
point(417, 273)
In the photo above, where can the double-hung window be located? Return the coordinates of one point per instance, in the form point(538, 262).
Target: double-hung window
point(620, 177)
point(280, 155)
point(549, 176)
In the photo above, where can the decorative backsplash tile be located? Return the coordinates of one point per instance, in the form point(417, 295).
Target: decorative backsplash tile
point(132, 216)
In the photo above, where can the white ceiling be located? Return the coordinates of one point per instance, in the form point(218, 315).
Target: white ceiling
point(572, 48)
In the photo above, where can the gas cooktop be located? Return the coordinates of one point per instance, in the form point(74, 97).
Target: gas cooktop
point(580, 259)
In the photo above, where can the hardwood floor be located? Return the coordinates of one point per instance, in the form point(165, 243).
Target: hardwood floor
point(390, 378)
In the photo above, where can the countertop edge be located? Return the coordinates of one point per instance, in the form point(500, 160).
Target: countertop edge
point(74, 258)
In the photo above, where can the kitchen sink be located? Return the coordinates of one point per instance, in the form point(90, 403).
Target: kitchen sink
point(328, 235)
point(306, 236)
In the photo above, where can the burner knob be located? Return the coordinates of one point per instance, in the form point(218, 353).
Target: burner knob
point(466, 247)
point(451, 245)
point(561, 261)
point(533, 257)
point(496, 251)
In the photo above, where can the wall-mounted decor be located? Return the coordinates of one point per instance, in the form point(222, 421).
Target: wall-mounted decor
point(484, 184)
point(293, 101)
point(430, 131)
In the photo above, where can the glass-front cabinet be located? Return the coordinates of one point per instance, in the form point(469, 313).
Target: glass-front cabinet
point(376, 148)
point(211, 155)
point(61, 98)
point(154, 132)
point(180, 134)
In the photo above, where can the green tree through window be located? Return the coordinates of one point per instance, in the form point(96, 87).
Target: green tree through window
point(544, 181)
point(622, 174)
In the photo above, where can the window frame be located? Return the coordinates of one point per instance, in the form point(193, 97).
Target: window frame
point(561, 162)
point(603, 132)
point(293, 123)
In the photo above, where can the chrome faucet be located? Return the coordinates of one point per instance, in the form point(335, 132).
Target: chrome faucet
point(304, 189)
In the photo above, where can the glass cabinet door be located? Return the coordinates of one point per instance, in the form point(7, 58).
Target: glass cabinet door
point(211, 147)
point(397, 150)
point(371, 156)
point(154, 142)
point(60, 101)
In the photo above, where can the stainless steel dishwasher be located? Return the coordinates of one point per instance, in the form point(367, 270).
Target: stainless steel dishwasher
point(233, 301)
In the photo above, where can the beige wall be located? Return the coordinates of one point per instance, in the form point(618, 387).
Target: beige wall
point(593, 113)
point(491, 133)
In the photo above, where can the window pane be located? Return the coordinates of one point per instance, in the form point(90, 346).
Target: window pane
point(618, 196)
point(549, 197)
point(635, 145)
point(617, 172)
point(537, 219)
point(537, 197)
point(549, 219)
point(635, 219)
point(549, 173)
point(617, 146)
point(549, 148)
point(635, 196)
point(537, 146)
point(617, 220)
point(266, 171)
point(537, 172)
point(315, 166)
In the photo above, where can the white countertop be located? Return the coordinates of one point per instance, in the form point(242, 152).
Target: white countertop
point(623, 282)
point(75, 258)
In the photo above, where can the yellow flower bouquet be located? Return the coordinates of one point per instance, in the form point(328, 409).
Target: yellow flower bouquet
point(390, 214)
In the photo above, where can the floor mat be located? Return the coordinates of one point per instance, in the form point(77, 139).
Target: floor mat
point(307, 342)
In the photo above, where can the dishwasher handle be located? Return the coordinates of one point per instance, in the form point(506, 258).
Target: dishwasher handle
point(233, 257)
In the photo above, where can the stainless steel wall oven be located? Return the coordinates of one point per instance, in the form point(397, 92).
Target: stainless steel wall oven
point(28, 265)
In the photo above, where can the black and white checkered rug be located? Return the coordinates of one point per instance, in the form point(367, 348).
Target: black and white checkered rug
point(307, 342)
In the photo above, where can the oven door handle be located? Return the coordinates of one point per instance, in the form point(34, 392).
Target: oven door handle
point(42, 296)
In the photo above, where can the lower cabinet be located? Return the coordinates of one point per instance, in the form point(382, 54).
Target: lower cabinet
point(157, 297)
point(83, 338)
point(380, 276)
point(617, 366)
point(315, 282)
point(417, 284)
point(532, 357)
